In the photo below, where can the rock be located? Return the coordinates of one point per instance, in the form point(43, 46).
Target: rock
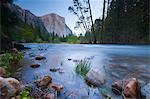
point(117, 87)
point(94, 78)
point(61, 71)
point(20, 46)
point(16, 97)
point(39, 57)
point(54, 69)
point(35, 65)
point(69, 59)
point(57, 87)
point(76, 60)
point(49, 96)
point(145, 91)
point(44, 81)
point(9, 87)
point(130, 88)
point(2, 72)
point(13, 82)
point(14, 50)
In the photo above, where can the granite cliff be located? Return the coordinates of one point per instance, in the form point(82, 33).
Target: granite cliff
point(55, 23)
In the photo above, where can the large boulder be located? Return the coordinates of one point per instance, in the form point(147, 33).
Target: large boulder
point(2, 72)
point(44, 81)
point(9, 87)
point(94, 78)
point(129, 87)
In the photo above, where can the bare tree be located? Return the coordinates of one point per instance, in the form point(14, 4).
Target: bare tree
point(84, 13)
point(108, 4)
point(93, 30)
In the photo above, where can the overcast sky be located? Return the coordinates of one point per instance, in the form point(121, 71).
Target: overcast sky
point(60, 7)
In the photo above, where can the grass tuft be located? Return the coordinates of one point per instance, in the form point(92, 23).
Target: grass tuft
point(83, 67)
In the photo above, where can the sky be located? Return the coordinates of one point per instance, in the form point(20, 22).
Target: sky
point(60, 7)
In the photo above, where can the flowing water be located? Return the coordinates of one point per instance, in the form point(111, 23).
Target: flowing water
point(114, 62)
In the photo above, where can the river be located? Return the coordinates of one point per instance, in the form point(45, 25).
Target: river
point(114, 62)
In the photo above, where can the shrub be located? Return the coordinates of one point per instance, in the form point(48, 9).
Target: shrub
point(8, 60)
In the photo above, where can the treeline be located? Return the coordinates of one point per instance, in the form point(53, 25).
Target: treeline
point(122, 22)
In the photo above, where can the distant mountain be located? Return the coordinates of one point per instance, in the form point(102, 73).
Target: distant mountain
point(55, 23)
point(27, 17)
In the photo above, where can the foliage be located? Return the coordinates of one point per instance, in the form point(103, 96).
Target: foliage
point(73, 40)
point(83, 67)
point(25, 93)
point(8, 60)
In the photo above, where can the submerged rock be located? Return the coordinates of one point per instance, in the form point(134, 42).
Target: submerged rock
point(49, 96)
point(130, 88)
point(2, 72)
point(145, 91)
point(39, 57)
point(9, 87)
point(57, 87)
point(32, 55)
point(94, 78)
point(35, 65)
point(44, 81)
point(55, 69)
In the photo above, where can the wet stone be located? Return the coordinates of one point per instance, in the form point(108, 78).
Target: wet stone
point(49, 96)
point(39, 57)
point(57, 87)
point(94, 78)
point(44, 81)
point(54, 69)
point(35, 65)
point(130, 87)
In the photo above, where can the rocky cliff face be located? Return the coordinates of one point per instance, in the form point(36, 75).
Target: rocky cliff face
point(27, 17)
point(55, 23)
point(47, 24)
